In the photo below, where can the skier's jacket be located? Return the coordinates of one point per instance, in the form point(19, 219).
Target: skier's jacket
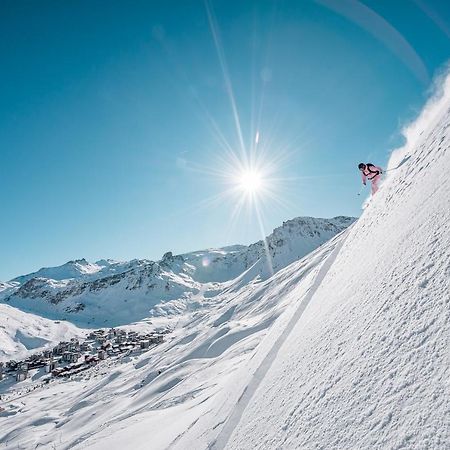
point(370, 172)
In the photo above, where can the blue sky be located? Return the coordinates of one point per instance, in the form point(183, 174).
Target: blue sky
point(106, 137)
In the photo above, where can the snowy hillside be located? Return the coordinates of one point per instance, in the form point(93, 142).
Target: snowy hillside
point(6, 287)
point(81, 269)
point(21, 333)
point(109, 293)
point(197, 362)
point(72, 269)
point(367, 364)
point(290, 242)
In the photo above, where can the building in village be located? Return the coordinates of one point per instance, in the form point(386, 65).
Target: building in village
point(50, 366)
point(70, 357)
point(21, 375)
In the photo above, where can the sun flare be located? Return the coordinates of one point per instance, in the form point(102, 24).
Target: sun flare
point(250, 181)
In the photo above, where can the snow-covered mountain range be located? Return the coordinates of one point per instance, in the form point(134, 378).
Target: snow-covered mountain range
point(111, 293)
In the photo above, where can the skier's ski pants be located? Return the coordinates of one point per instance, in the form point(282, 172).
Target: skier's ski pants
point(375, 183)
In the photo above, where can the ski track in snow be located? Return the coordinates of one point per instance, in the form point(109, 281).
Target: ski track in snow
point(197, 361)
point(250, 389)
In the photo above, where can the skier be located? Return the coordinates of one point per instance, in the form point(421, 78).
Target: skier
point(371, 172)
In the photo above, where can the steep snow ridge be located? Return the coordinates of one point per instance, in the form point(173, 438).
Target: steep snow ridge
point(416, 131)
point(82, 269)
point(290, 242)
point(111, 294)
point(72, 269)
point(367, 365)
point(5, 288)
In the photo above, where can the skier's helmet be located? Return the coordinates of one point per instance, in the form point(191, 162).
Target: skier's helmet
point(361, 166)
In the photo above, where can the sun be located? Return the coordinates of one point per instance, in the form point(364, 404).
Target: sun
point(250, 181)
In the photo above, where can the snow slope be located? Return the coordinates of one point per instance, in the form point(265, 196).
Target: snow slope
point(72, 269)
point(216, 316)
point(21, 333)
point(368, 364)
point(109, 293)
point(80, 269)
point(117, 404)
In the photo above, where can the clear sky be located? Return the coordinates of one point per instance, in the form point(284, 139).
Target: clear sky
point(115, 116)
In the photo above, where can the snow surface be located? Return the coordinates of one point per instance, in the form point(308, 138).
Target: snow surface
point(21, 332)
point(198, 363)
point(81, 269)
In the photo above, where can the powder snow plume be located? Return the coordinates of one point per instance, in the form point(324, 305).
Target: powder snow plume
point(426, 120)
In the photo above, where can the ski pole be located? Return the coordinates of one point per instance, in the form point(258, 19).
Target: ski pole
point(359, 193)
